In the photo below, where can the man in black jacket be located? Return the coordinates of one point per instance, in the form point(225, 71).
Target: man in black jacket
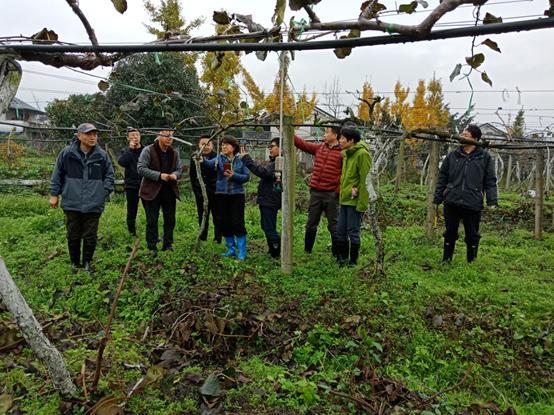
point(269, 195)
point(129, 159)
point(466, 175)
point(209, 177)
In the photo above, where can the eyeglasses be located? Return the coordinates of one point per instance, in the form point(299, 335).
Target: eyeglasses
point(272, 145)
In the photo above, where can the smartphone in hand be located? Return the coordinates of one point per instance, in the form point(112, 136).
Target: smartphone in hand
point(226, 167)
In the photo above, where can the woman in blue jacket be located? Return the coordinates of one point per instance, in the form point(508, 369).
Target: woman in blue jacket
point(229, 194)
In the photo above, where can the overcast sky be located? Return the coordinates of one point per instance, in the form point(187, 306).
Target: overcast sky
point(526, 61)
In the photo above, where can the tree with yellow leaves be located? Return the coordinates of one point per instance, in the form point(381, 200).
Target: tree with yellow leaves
point(366, 100)
point(301, 109)
point(400, 107)
point(168, 15)
point(438, 112)
point(219, 71)
point(399, 111)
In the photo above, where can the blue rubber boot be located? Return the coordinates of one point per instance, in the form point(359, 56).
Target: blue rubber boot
point(241, 245)
point(231, 250)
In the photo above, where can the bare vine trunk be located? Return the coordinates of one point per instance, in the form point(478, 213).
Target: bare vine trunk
point(374, 222)
point(204, 221)
point(32, 332)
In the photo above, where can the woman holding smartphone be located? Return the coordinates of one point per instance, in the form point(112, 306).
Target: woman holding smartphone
point(229, 195)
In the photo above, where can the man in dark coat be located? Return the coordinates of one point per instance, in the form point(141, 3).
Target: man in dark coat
point(84, 178)
point(209, 177)
point(129, 160)
point(160, 167)
point(269, 195)
point(467, 175)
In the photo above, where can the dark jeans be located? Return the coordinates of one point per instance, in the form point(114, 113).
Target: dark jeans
point(268, 218)
point(212, 208)
point(132, 196)
point(167, 201)
point(471, 218)
point(81, 227)
point(232, 214)
point(349, 223)
point(323, 202)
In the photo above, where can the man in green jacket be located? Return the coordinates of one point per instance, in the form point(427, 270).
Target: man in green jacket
point(354, 197)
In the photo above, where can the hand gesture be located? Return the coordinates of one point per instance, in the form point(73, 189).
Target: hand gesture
point(243, 151)
point(54, 201)
point(164, 177)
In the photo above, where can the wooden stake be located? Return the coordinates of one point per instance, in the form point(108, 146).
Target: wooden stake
point(289, 179)
point(539, 196)
point(431, 186)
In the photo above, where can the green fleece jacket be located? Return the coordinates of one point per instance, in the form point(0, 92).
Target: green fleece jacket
point(356, 163)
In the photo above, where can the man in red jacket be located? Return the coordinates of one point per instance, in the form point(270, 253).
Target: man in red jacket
point(324, 185)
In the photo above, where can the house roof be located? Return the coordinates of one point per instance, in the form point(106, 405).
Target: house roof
point(18, 104)
point(491, 129)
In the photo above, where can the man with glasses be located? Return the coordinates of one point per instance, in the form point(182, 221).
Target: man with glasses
point(84, 178)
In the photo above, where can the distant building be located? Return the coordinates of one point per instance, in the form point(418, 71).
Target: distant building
point(487, 129)
point(23, 114)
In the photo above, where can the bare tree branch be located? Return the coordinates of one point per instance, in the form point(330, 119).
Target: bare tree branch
point(311, 13)
point(87, 61)
point(90, 31)
point(419, 30)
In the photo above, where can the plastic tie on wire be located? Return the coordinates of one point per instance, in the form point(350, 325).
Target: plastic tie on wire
point(300, 25)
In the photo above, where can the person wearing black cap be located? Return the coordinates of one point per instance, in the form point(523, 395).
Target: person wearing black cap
point(84, 177)
point(466, 175)
point(129, 160)
point(160, 167)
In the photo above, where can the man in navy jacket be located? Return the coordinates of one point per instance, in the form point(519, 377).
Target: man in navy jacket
point(84, 178)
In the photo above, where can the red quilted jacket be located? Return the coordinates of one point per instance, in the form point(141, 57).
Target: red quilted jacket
point(327, 164)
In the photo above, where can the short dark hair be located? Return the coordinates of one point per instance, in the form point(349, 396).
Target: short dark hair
point(334, 128)
point(229, 139)
point(276, 141)
point(350, 133)
point(474, 131)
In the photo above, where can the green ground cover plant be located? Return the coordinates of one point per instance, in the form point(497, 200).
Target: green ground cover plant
point(196, 333)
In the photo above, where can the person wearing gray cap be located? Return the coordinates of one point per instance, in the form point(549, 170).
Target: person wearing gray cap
point(84, 177)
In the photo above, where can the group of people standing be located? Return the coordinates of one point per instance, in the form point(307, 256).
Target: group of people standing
point(84, 178)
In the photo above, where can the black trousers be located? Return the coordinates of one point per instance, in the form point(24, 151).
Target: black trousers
point(349, 224)
point(323, 202)
point(232, 214)
point(268, 219)
point(81, 227)
point(215, 212)
point(167, 201)
point(471, 219)
point(133, 198)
